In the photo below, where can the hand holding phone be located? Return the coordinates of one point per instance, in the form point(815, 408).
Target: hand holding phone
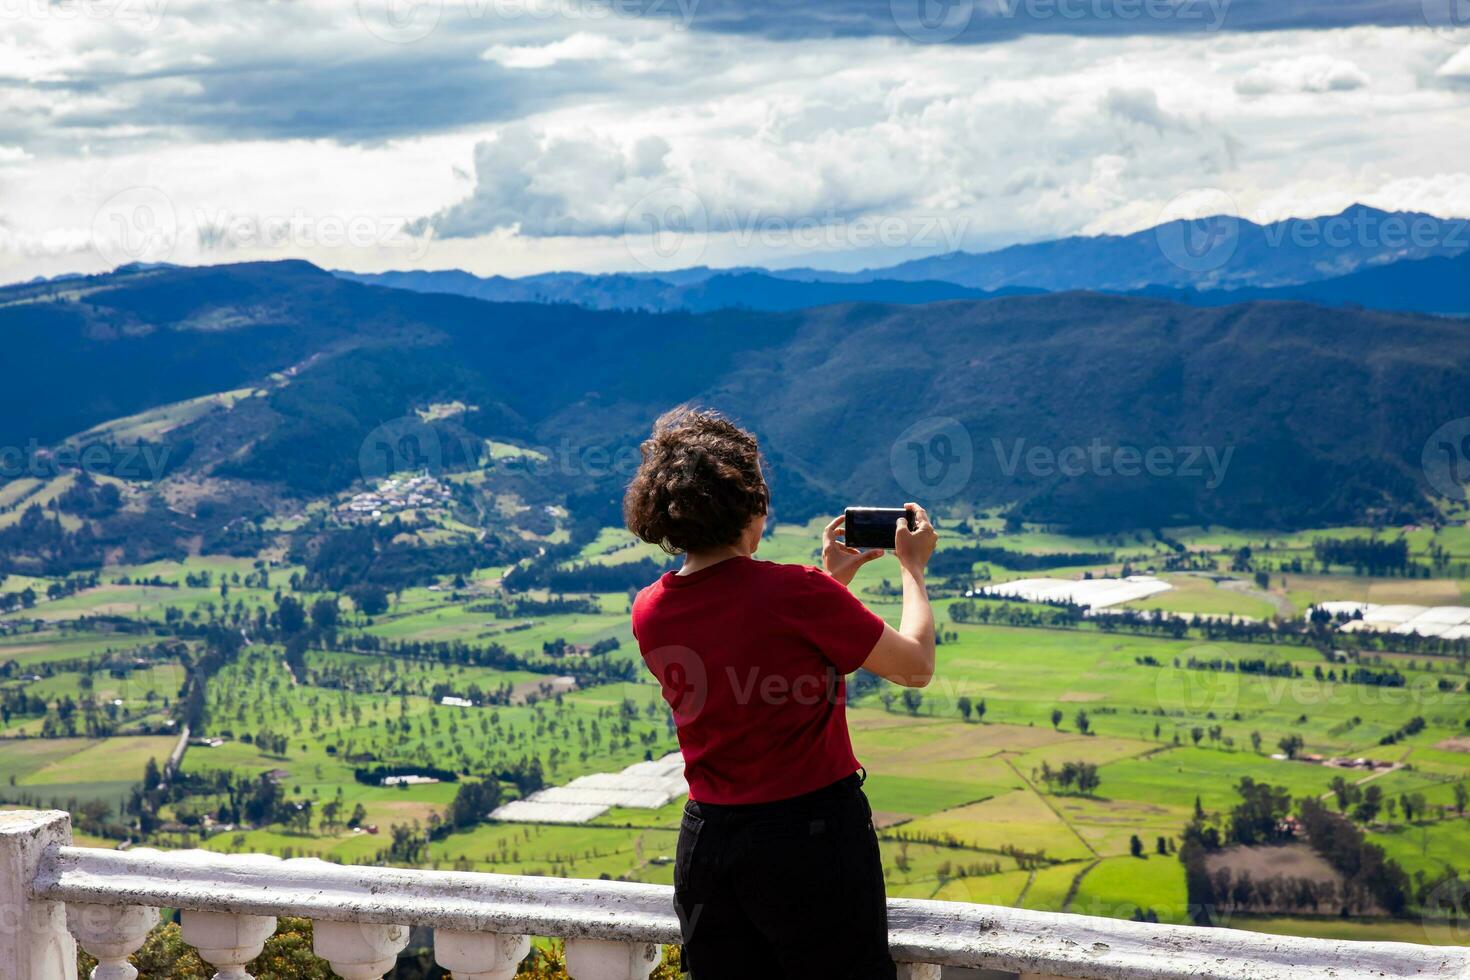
point(876, 527)
point(915, 544)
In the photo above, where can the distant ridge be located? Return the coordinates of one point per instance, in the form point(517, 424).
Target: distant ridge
point(1268, 415)
point(1438, 285)
point(694, 290)
point(1192, 262)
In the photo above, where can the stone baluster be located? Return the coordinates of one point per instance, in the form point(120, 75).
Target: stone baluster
point(358, 950)
point(111, 933)
point(602, 959)
point(479, 955)
point(227, 942)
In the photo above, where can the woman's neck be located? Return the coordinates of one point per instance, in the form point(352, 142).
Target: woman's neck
point(695, 561)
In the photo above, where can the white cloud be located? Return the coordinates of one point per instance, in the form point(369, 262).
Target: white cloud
point(1312, 73)
point(1458, 67)
point(581, 46)
point(538, 166)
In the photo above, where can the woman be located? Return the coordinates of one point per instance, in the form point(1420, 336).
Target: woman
point(778, 872)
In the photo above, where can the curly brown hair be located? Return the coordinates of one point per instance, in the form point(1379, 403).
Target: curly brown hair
point(699, 484)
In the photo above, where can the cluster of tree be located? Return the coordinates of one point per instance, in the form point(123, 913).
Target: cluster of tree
point(1361, 864)
point(387, 555)
point(1287, 894)
point(374, 776)
point(24, 599)
point(269, 743)
point(474, 694)
point(1083, 776)
point(1369, 879)
point(86, 498)
point(1256, 666)
point(221, 646)
point(1444, 897)
point(17, 702)
point(472, 803)
point(547, 572)
point(1409, 729)
point(526, 774)
point(1371, 556)
point(1007, 614)
point(559, 647)
point(959, 561)
point(523, 607)
point(599, 670)
point(40, 544)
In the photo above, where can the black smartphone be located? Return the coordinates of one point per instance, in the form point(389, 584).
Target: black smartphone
point(873, 527)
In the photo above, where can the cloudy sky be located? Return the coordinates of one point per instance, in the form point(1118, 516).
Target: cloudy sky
point(521, 136)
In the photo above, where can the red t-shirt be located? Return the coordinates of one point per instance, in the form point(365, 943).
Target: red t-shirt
point(753, 658)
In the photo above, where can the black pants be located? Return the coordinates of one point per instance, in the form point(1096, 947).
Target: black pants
point(789, 889)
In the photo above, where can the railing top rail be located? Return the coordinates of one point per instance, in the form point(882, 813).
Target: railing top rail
point(947, 933)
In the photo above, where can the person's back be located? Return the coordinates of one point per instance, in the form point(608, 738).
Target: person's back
point(752, 657)
point(778, 872)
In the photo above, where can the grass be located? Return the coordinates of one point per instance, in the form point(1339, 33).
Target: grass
point(1116, 886)
point(1196, 594)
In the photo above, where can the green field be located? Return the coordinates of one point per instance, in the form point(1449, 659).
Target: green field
point(962, 807)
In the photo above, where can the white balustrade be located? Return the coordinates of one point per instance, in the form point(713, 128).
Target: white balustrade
point(613, 930)
point(358, 950)
point(227, 942)
point(479, 955)
point(111, 933)
point(606, 959)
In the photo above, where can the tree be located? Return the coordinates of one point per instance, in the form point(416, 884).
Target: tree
point(1462, 798)
point(1291, 745)
point(980, 710)
point(472, 803)
point(1372, 802)
point(324, 614)
point(1056, 717)
point(1256, 742)
point(1196, 733)
point(1135, 846)
point(370, 600)
point(1084, 724)
point(965, 707)
point(913, 700)
point(290, 615)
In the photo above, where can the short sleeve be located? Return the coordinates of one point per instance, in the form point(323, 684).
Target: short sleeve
point(824, 613)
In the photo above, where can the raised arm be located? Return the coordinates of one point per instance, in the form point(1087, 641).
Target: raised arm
point(905, 655)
